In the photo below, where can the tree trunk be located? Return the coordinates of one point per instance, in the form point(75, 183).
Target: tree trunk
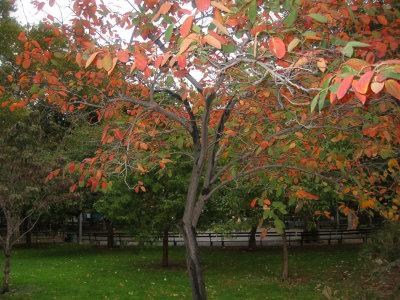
point(165, 249)
point(252, 239)
point(7, 254)
point(285, 273)
point(193, 262)
point(80, 221)
point(28, 236)
point(110, 234)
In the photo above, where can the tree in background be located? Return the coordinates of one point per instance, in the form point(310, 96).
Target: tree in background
point(259, 65)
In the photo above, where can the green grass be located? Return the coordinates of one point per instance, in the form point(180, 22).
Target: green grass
point(69, 271)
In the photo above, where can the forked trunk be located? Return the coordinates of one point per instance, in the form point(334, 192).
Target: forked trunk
point(193, 261)
point(285, 273)
point(7, 254)
point(165, 249)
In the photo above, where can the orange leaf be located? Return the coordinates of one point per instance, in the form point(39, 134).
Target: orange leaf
point(123, 56)
point(22, 37)
point(186, 26)
point(344, 86)
point(393, 88)
point(165, 7)
point(357, 64)
point(363, 83)
point(277, 47)
point(209, 39)
point(221, 7)
point(253, 203)
point(304, 194)
point(361, 97)
point(26, 63)
point(91, 58)
point(203, 5)
point(382, 19)
point(118, 134)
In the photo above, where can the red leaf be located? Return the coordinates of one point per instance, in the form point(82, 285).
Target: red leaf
point(393, 88)
point(203, 5)
point(186, 26)
point(363, 83)
point(118, 134)
point(253, 203)
point(277, 47)
point(344, 86)
point(72, 188)
point(22, 37)
point(40, 6)
point(141, 61)
point(263, 234)
point(104, 185)
point(182, 61)
point(123, 56)
point(361, 97)
point(158, 61)
point(71, 167)
point(51, 2)
point(258, 28)
point(103, 136)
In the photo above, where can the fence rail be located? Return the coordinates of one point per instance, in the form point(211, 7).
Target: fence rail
point(238, 238)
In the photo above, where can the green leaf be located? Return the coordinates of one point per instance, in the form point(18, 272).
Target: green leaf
point(347, 51)
point(228, 48)
point(168, 33)
point(253, 11)
point(170, 80)
point(279, 225)
point(309, 33)
point(391, 74)
point(357, 44)
point(292, 17)
point(34, 88)
point(314, 102)
point(275, 6)
point(338, 42)
point(334, 88)
point(319, 18)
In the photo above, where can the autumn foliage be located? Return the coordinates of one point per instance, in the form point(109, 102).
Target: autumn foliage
point(283, 90)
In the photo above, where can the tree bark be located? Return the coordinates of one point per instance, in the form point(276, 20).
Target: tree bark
point(252, 239)
point(193, 261)
point(285, 273)
point(110, 234)
point(28, 236)
point(165, 248)
point(7, 254)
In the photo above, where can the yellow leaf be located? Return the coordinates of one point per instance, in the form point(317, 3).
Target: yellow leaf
point(220, 27)
point(221, 7)
point(321, 63)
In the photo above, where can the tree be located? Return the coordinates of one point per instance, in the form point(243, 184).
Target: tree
point(233, 83)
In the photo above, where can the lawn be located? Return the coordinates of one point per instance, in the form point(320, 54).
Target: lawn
point(70, 271)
